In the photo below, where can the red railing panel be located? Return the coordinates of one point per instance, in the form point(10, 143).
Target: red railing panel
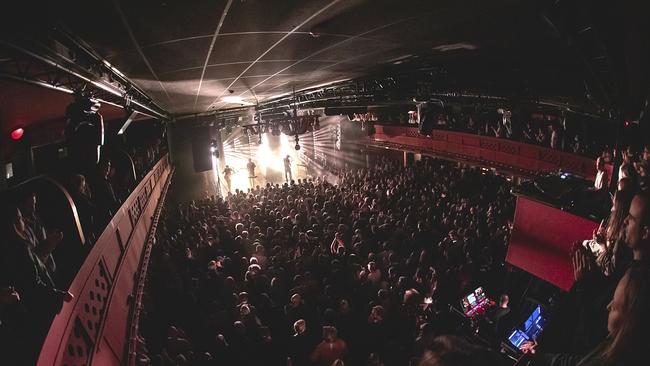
point(541, 241)
point(514, 154)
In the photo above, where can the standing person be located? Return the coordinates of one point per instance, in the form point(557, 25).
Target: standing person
point(287, 169)
point(330, 349)
point(602, 179)
point(637, 227)
point(22, 269)
point(81, 195)
point(555, 137)
point(103, 193)
point(227, 176)
point(251, 173)
point(42, 241)
point(626, 170)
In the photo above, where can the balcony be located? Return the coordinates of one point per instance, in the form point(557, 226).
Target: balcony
point(519, 157)
point(97, 327)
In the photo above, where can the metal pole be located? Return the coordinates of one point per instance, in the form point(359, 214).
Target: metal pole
point(618, 156)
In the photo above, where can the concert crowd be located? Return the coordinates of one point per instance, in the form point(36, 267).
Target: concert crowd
point(309, 273)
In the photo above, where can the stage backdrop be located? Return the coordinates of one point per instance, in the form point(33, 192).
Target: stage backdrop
point(541, 241)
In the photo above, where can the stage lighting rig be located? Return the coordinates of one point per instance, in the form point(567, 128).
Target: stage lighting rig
point(288, 125)
point(214, 148)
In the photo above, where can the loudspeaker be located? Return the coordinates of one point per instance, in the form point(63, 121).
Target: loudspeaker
point(428, 114)
point(202, 156)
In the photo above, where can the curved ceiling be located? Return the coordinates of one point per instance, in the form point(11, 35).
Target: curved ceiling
point(194, 56)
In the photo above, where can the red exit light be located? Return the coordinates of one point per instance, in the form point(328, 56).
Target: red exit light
point(17, 133)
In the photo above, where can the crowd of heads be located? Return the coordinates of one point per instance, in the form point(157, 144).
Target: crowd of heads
point(563, 132)
point(311, 273)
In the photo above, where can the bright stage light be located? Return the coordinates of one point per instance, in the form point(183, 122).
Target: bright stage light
point(264, 156)
point(215, 176)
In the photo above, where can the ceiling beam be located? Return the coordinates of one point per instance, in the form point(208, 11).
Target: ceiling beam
point(61, 62)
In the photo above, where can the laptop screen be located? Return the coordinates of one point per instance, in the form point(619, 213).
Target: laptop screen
point(533, 326)
point(474, 300)
point(535, 323)
point(517, 338)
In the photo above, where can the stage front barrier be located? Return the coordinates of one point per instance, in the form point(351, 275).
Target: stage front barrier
point(541, 241)
point(94, 327)
point(506, 153)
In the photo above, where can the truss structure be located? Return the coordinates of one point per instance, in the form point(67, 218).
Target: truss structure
point(61, 62)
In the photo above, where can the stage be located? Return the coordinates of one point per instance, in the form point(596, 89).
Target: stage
point(269, 159)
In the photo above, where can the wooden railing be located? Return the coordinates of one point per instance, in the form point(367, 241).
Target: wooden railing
point(94, 327)
point(501, 152)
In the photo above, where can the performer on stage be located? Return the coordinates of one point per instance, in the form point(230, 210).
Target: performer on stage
point(287, 169)
point(227, 175)
point(251, 173)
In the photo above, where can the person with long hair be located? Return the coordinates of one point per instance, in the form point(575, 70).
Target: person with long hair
point(616, 255)
point(627, 324)
point(22, 268)
point(86, 209)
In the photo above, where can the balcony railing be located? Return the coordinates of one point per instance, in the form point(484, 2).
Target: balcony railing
point(94, 327)
point(527, 158)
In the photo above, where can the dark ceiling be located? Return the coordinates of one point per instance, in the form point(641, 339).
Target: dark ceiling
point(190, 55)
point(193, 56)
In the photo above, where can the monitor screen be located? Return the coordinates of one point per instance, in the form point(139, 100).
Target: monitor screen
point(472, 300)
point(517, 338)
point(535, 323)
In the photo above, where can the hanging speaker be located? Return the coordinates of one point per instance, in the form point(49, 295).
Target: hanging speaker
point(202, 156)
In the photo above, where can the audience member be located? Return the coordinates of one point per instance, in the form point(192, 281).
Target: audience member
point(23, 270)
point(86, 210)
point(103, 193)
point(627, 324)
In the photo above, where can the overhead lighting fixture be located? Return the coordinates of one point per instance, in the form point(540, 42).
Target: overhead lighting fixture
point(127, 122)
point(214, 148)
point(233, 99)
point(456, 46)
